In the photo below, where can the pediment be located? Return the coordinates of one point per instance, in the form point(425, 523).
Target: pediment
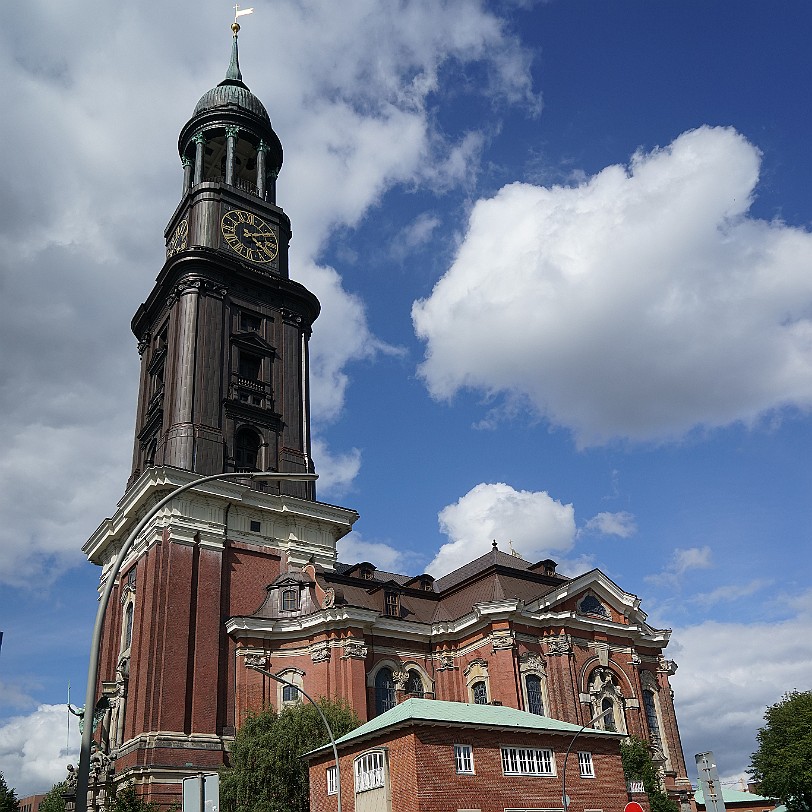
point(253, 341)
point(593, 596)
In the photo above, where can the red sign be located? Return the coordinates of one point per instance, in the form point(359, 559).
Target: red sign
point(632, 806)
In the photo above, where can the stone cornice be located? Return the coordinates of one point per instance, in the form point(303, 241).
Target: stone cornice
point(155, 482)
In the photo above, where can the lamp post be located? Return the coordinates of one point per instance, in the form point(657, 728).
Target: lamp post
point(323, 719)
point(83, 773)
point(592, 721)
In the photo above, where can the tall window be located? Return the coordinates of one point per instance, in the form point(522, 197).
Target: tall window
point(585, 765)
point(535, 703)
point(250, 366)
point(609, 718)
point(128, 625)
point(246, 450)
point(464, 758)
point(290, 693)
point(384, 690)
point(414, 684)
point(369, 771)
point(651, 716)
point(332, 781)
point(480, 693)
point(290, 600)
point(392, 603)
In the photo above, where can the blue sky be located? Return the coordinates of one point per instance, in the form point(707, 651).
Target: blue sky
point(564, 257)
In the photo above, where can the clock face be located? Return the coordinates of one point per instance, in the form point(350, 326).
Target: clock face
point(177, 242)
point(250, 236)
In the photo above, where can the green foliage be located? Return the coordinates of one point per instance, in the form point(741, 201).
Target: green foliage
point(53, 801)
point(128, 800)
point(266, 772)
point(782, 765)
point(8, 797)
point(638, 766)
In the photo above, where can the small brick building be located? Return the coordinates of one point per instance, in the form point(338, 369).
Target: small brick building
point(449, 756)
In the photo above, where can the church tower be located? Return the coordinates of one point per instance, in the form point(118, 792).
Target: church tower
point(223, 338)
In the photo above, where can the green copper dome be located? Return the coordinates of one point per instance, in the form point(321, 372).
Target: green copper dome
point(232, 92)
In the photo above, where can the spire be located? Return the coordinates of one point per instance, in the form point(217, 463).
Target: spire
point(233, 71)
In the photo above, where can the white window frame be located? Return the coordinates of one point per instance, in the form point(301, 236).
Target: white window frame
point(585, 764)
point(464, 759)
point(528, 761)
point(369, 771)
point(332, 780)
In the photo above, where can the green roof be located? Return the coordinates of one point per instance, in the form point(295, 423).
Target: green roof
point(438, 712)
point(734, 796)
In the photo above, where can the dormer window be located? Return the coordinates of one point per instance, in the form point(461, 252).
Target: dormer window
point(392, 604)
point(290, 600)
point(366, 573)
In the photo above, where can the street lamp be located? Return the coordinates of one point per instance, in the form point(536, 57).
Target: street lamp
point(83, 773)
point(323, 719)
point(592, 721)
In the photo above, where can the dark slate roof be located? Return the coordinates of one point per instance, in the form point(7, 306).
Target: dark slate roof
point(495, 556)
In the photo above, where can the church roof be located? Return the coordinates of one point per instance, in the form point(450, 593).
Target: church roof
point(440, 712)
point(232, 92)
point(495, 556)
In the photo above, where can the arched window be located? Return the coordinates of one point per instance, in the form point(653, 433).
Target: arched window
point(129, 613)
point(480, 693)
point(384, 690)
point(535, 702)
point(609, 718)
point(289, 693)
point(414, 684)
point(246, 450)
point(651, 716)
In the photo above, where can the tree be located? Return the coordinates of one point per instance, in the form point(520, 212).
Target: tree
point(266, 772)
point(782, 765)
point(128, 800)
point(53, 801)
point(8, 797)
point(638, 766)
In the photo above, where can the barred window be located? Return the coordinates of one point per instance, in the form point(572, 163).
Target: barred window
point(369, 771)
point(480, 693)
point(527, 761)
point(585, 765)
point(332, 781)
point(535, 703)
point(464, 757)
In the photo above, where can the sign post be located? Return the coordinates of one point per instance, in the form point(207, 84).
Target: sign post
point(201, 793)
point(709, 782)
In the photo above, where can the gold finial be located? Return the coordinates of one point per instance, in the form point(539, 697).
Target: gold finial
point(235, 27)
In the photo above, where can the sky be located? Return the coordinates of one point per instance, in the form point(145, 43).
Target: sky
point(564, 257)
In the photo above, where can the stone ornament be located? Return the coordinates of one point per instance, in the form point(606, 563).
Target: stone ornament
point(354, 650)
point(503, 640)
point(400, 678)
point(320, 652)
point(329, 598)
point(256, 660)
point(447, 662)
point(562, 644)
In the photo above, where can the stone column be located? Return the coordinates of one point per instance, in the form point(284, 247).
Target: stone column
point(271, 193)
point(187, 173)
point(231, 143)
point(262, 150)
point(200, 142)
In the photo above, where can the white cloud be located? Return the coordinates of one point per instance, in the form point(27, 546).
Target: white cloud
point(729, 673)
point(620, 524)
point(35, 749)
point(682, 560)
point(348, 89)
point(537, 525)
point(354, 548)
point(414, 235)
point(336, 471)
point(638, 304)
point(731, 592)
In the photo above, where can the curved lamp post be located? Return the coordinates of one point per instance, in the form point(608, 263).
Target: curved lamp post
point(323, 719)
point(591, 722)
point(83, 775)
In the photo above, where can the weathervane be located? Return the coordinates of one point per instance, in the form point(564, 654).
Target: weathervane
point(235, 26)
